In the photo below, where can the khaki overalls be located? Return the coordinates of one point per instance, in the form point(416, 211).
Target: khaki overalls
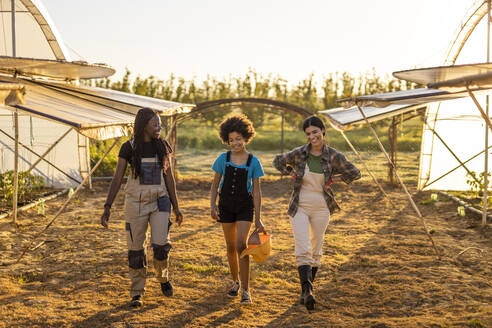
point(147, 201)
point(312, 214)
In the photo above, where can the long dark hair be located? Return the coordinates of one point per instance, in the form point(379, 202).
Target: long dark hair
point(160, 145)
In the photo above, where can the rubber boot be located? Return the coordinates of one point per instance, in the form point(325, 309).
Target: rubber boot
point(307, 297)
point(313, 273)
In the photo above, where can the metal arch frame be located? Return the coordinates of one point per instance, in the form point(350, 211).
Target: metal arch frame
point(40, 14)
point(205, 106)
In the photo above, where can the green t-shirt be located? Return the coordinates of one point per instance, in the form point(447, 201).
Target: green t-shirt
point(314, 164)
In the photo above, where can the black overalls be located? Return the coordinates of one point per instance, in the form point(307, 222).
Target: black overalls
point(235, 202)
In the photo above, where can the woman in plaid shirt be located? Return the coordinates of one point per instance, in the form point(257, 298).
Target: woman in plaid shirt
point(314, 167)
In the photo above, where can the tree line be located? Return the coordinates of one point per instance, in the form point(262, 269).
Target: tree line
point(309, 93)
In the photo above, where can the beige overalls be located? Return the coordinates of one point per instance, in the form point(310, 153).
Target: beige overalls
point(147, 201)
point(312, 214)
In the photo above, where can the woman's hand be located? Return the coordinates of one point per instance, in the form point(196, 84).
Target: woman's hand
point(179, 216)
point(105, 216)
point(259, 226)
point(214, 212)
point(333, 179)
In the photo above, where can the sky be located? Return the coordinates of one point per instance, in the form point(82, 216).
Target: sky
point(193, 38)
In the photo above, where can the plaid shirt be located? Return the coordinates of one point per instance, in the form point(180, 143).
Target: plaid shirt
point(332, 163)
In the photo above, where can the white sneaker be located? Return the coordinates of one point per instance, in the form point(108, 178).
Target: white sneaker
point(233, 291)
point(245, 297)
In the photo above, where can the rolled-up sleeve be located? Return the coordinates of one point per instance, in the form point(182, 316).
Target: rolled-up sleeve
point(285, 162)
point(347, 171)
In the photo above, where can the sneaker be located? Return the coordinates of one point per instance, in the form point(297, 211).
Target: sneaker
point(136, 301)
point(246, 297)
point(234, 290)
point(167, 289)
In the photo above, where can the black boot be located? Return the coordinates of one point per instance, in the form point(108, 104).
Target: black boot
point(307, 287)
point(313, 273)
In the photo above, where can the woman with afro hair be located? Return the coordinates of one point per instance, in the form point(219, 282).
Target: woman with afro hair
point(237, 180)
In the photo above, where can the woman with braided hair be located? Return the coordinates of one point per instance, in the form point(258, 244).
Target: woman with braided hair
point(149, 194)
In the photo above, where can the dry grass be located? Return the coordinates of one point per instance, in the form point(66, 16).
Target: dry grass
point(378, 268)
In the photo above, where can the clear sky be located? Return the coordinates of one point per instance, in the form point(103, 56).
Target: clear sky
point(193, 38)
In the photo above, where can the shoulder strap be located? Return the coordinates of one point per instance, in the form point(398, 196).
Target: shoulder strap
point(250, 157)
point(132, 141)
point(228, 156)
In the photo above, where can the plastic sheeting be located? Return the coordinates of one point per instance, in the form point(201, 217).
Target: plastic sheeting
point(343, 119)
point(53, 69)
point(90, 119)
point(432, 75)
point(408, 97)
point(39, 134)
point(36, 35)
point(124, 101)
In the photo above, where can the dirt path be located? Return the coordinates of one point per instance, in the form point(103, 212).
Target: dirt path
point(378, 268)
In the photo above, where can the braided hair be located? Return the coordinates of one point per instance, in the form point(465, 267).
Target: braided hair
point(161, 146)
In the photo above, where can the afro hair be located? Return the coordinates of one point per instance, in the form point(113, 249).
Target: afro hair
point(237, 123)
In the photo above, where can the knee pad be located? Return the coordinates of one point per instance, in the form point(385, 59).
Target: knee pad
point(136, 259)
point(161, 252)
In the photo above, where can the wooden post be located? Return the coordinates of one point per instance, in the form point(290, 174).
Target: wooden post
point(16, 167)
point(393, 147)
point(410, 199)
point(486, 160)
point(282, 134)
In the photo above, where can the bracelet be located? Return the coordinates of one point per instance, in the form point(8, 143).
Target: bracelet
point(107, 205)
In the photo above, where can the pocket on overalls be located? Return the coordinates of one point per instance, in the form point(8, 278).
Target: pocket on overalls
point(164, 204)
point(132, 207)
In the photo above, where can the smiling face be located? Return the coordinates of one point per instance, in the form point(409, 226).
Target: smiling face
point(315, 136)
point(153, 127)
point(236, 141)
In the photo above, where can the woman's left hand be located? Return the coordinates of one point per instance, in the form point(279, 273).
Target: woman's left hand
point(179, 216)
point(259, 225)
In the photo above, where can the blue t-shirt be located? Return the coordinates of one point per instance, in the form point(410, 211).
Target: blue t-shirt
point(254, 170)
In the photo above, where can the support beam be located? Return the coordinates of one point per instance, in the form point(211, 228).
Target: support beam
point(44, 159)
point(16, 168)
point(67, 201)
point(486, 160)
point(33, 165)
point(410, 199)
point(452, 152)
point(455, 168)
point(14, 50)
point(367, 168)
point(480, 109)
point(282, 134)
point(393, 146)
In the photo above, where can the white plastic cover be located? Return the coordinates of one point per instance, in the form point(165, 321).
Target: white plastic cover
point(39, 134)
point(457, 122)
point(36, 35)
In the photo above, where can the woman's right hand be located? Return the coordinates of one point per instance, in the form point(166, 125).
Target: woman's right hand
point(214, 213)
point(105, 217)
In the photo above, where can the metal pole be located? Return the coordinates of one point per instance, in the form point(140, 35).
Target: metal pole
point(68, 200)
point(486, 161)
point(44, 159)
point(282, 135)
point(16, 167)
point(33, 165)
point(410, 199)
point(13, 28)
point(367, 168)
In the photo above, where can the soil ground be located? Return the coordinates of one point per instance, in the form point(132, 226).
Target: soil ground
point(378, 269)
